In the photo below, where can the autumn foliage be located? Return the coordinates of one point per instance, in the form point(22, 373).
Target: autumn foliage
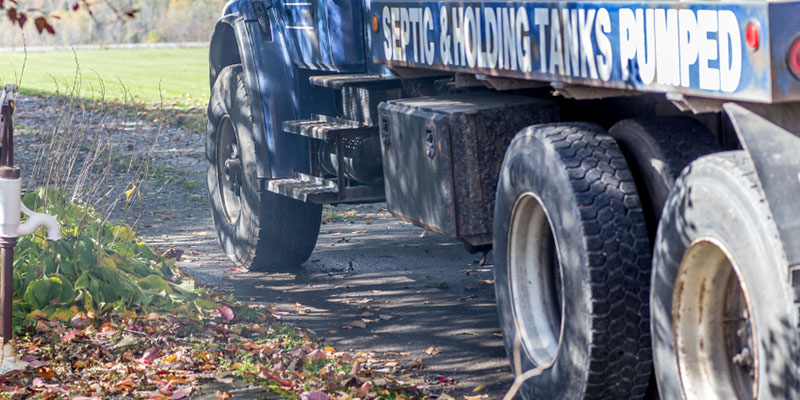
point(77, 22)
point(18, 14)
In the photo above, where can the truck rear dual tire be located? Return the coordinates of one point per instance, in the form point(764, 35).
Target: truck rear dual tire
point(657, 149)
point(572, 265)
point(723, 320)
point(259, 230)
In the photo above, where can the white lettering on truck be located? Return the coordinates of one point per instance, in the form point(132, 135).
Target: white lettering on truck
point(667, 47)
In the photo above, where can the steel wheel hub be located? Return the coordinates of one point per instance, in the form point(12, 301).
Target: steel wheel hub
point(229, 169)
point(535, 280)
point(711, 319)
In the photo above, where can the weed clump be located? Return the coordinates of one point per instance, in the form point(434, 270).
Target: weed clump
point(97, 268)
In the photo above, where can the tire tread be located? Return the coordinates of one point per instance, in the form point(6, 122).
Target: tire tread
point(618, 257)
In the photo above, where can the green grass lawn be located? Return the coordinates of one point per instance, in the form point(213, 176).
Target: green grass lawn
point(181, 74)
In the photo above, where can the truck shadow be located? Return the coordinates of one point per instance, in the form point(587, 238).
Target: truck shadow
point(383, 288)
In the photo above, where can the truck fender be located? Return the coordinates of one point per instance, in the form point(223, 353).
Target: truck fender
point(774, 149)
point(240, 38)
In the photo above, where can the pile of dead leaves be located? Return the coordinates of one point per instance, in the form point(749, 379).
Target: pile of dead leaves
point(166, 357)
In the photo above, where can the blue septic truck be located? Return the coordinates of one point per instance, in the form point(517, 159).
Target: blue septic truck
point(634, 167)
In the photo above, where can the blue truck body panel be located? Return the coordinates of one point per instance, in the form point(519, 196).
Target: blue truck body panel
point(305, 38)
point(324, 35)
point(692, 48)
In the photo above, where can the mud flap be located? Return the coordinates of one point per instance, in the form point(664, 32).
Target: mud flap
point(774, 151)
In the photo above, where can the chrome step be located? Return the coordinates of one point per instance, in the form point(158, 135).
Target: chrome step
point(326, 128)
point(313, 189)
point(371, 81)
point(303, 186)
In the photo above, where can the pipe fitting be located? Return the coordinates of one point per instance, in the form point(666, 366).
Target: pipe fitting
point(11, 208)
point(36, 220)
point(10, 203)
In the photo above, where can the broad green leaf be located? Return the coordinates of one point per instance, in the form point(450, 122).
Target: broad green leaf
point(185, 288)
point(42, 291)
point(83, 281)
point(124, 233)
point(155, 283)
point(207, 304)
point(67, 291)
point(146, 252)
point(60, 312)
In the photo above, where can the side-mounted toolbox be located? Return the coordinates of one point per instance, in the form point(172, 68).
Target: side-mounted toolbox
point(442, 157)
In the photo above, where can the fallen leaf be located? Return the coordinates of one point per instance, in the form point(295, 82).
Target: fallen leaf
point(106, 327)
point(182, 393)
point(364, 389)
point(80, 321)
point(126, 341)
point(42, 327)
point(150, 354)
point(67, 337)
point(478, 389)
point(433, 350)
point(317, 355)
point(172, 253)
point(355, 324)
point(385, 317)
point(46, 373)
point(226, 313)
point(315, 396)
point(226, 381)
point(222, 395)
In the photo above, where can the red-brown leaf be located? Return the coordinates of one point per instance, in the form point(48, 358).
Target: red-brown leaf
point(226, 312)
point(22, 19)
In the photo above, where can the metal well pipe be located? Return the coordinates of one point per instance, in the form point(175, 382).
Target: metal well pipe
point(7, 244)
point(7, 154)
point(7, 286)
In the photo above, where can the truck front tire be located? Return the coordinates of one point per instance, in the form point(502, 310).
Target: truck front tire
point(572, 265)
point(723, 320)
point(258, 230)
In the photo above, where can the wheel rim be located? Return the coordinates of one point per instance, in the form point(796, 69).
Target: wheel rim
point(535, 279)
point(229, 170)
point(711, 320)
